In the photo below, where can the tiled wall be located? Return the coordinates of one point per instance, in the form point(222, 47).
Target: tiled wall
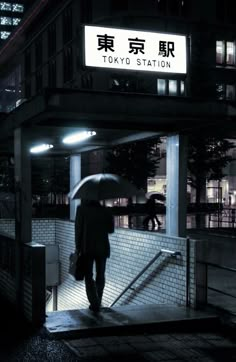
point(164, 282)
point(43, 230)
point(7, 226)
point(131, 250)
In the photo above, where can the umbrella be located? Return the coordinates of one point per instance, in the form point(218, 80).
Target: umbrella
point(103, 186)
point(156, 196)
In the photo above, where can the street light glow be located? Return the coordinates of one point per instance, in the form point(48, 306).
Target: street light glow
point(40, 148)
point(78, 137)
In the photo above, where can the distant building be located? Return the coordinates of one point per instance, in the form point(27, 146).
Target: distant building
point(11, 13)
point(49, 54)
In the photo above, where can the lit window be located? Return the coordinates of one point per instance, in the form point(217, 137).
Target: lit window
point(5, 6)
point(18, 8)
point(161, 87)
point(230, 53)
point(220, 51)
point(182, 88)
point(4, 34)
point(5, 20)
point(10, 107)
point(15, 21)
point(220, 91)
point(225, 52)
point(230, 92)
point(225, 91)
point(173, 87)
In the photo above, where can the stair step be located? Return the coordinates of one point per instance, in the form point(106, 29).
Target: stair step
point(127, 319)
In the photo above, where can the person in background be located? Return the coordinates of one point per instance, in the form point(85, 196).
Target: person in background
point(93, 223)
point(151, 211)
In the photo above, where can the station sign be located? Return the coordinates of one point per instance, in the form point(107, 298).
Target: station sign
point(135, 50)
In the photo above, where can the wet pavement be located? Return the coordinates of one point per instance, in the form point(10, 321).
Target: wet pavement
point(207, 341)
point(132, 318)
point(191, 346)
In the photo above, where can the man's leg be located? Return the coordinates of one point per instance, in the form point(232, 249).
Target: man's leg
point(90, 285)
point(153, 222)
point(145, 222)
point(100, 276)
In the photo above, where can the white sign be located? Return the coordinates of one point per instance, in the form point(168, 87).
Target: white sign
point(135, 50)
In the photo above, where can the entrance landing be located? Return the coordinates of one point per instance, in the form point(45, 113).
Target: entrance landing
point(84, 323)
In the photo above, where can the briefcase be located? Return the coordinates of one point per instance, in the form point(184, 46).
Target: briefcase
point(76, 266)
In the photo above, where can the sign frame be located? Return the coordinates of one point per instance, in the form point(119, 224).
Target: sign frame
point(168, 35)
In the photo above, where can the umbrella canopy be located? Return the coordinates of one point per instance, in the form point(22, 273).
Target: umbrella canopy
point(156, 196)
point(103, 186)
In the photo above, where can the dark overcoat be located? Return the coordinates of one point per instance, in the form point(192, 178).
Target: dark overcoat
point(93, 223)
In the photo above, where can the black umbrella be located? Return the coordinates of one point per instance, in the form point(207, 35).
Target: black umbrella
point(156, 196)
point(103, 186)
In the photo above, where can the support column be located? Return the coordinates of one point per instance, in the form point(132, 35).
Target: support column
point(23, 186)
point(75, 177)
point(176, 202)
point(23, 203)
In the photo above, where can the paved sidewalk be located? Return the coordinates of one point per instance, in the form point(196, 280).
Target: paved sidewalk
point(174, 347)
point(19, 342)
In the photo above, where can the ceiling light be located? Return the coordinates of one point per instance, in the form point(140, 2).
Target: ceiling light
point(41, 148)
point(78, 137)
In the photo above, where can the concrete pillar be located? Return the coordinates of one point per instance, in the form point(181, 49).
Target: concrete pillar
point(23, 206)
point(176, 201)
point(75, 177)
point(22, 161)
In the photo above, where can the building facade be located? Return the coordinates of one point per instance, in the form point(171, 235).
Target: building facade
point(53, 57)
point(56, 89)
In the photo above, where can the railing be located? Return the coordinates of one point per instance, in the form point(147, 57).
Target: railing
point(172, 253)
point(220, 291)
point(224, 216)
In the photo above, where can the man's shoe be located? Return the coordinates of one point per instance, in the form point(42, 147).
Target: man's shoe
point(94, 308)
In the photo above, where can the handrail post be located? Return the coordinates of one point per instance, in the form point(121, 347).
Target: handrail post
point(187, 270)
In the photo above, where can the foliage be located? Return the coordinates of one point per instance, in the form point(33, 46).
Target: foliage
point(135, 161)
point(208, 156)
point(50, 175)
point(6, 174)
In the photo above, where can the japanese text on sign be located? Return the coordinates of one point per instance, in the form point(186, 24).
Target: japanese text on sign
point(135, 50)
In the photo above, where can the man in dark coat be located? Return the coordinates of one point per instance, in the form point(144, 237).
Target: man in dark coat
point(93, 223)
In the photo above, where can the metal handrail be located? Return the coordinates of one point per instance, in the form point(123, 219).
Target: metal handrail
point(217, 265)
point(172, 253)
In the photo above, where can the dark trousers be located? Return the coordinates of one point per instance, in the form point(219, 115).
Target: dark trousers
point(94, 288)
point(151, 218)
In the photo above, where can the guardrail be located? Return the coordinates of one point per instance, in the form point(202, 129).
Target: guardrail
point(224, 216)
point(220, 267)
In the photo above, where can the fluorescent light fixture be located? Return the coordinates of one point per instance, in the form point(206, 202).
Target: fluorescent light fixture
point(78, 137)
point(41, 148)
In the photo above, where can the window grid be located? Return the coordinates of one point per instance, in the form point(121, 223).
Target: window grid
point(5, 6)
point(5, 20)
point(170, 87)
point(17, 8)
point(225, 91)
point(15, 21)
point(225, 53)
point(4, 34)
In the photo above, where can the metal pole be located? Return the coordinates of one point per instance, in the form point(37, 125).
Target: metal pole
point(187, 270)
point(54, 298)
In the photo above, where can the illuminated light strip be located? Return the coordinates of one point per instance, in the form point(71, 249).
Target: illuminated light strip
point(78, 137)
point(41, 148)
